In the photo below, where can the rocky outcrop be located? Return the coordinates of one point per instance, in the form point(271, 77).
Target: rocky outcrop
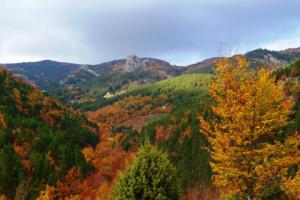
point(87, 69)
point(133, 63)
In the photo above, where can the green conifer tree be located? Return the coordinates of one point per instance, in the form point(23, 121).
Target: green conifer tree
point(150, 177)
point(11, 171)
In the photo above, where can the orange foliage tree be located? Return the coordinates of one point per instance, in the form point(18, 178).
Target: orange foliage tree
point(250, 109)
point(71, 185)
point(163, 134)
point(107, 158)
point(292, 185)
point(121, 111)
point(47, 194)
point(17, 98)
point(2, 120)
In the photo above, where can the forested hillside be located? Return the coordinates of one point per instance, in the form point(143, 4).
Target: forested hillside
point(57, 154)
point(80, 83)
point(165, 113)
point(42, 73)
point(150, 100)
point(83, 85)
point(40, 139)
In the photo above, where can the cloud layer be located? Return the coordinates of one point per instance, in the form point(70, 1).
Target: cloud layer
point(182, 32)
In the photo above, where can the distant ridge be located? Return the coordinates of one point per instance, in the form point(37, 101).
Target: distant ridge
point(292, 50)
point(84, 84)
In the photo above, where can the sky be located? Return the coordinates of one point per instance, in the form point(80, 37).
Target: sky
point(179, 31)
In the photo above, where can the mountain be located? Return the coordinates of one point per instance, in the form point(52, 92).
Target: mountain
point(86, 86)
point(127, 102)
point(204, 66)
point(92, 83)
point(40, 139)
point(264, 57)
point(80, 84)
point(256, 58)
point(133, 63)
point(42, 73)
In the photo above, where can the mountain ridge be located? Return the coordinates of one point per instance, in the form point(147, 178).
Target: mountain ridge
point(83, 83)
point(115, 62)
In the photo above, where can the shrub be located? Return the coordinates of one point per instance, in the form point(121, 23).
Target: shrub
point(151, 176)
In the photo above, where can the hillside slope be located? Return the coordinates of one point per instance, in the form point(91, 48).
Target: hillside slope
point(49, 141)
point(82, 85)
point(166, 112)
point(42, 73)
point(256, 58)
point(40, 139)
point(93, 83)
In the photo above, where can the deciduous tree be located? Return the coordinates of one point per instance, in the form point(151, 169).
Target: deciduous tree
point(250, 110)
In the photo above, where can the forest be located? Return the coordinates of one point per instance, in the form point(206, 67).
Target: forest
point(232, 134)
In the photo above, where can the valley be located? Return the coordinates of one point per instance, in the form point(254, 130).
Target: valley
point(77, 150)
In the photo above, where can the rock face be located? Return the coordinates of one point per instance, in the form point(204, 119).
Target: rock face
point(292, 50)
point(133, 63)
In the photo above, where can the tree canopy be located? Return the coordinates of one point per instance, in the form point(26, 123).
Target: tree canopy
point(250, 111)
point(151, 176)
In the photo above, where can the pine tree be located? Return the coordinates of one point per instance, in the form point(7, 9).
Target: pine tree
point(150, 177)
point(11, 171)
point(249, 112)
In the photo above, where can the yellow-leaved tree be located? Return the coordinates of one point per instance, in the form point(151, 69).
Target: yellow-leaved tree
point(249, 111)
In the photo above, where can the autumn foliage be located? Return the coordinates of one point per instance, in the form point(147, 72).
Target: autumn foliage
point(40, 140)
point(107, 158)
point(250, 110)
point(247, 146)
point(2, 120)
point(126, 109)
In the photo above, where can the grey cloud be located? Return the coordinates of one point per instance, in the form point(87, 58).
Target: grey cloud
point(90, 31)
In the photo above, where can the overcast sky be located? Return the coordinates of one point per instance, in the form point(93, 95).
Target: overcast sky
point(179, 31)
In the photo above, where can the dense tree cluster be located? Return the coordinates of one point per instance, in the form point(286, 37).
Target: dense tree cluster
point(251, 111)
point(247, 145)
point(40, 139)
point(174, 127)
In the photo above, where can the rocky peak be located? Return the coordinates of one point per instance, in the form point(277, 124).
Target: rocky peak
point(133, 63)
